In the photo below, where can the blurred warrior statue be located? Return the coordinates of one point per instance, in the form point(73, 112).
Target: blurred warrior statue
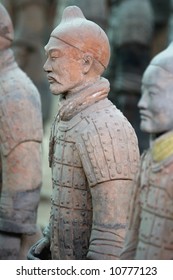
point(20, 143)
point(93, 148)
point(150, 222)
point(33, 21)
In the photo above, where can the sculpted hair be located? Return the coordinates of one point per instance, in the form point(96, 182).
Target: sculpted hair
point(164, 59)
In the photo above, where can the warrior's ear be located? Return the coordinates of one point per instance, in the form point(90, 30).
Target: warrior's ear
point(87, 62)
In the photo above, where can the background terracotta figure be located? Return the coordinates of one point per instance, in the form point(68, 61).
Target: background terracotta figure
point(150, 222)
point(20, 143)
point(93, 149)
point(33, 21)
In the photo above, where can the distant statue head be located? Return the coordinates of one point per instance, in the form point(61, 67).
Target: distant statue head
point(156, 103)
point(83, 44)
point(6, 29)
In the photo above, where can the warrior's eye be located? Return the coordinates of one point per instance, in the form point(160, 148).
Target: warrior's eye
point(55, 54)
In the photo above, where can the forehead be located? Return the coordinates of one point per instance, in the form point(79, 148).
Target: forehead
point(62, 49)
point(156, 76)
point(55, 44)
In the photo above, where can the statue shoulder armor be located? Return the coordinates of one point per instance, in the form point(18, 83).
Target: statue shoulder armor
point(108, 147)
point(20, 111)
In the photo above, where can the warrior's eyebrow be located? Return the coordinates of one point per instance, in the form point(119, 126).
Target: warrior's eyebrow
point(152, 86)
point(50, 51)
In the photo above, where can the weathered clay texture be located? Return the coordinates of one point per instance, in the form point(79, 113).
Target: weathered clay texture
point(20, 141)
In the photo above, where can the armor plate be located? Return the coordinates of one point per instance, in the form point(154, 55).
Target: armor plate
point(157, 211)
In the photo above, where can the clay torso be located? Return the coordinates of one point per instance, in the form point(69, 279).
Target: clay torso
point(20, 122)
point(80, 159)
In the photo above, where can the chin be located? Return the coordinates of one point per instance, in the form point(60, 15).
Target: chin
point(54, 91)
point(145, 128)
point(57, 91)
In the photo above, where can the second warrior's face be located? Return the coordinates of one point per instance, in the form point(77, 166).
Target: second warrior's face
point(156, 103)
point(63, 67)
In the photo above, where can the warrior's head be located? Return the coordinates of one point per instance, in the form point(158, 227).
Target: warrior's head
point(85, 35)
point(156, 102)
point(78, 49)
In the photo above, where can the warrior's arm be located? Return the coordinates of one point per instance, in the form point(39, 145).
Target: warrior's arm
point(110, 203)
point(110, 162)
point(133, 221)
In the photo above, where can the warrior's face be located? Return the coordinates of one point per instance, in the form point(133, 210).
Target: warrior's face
point(156, 103)
point(64, 67)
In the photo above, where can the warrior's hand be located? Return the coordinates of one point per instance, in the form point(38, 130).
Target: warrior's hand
point(40, 250)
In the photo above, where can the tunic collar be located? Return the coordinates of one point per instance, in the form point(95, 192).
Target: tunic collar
point(162, 147)
point(78, 101)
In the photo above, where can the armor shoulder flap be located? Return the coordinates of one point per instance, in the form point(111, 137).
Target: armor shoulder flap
point(108, 147)
point(20, 112)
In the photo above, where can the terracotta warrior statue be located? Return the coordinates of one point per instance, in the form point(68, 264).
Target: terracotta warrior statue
point(33, 21)
point(150, 221)
point(93, 148)
point(20, 141)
